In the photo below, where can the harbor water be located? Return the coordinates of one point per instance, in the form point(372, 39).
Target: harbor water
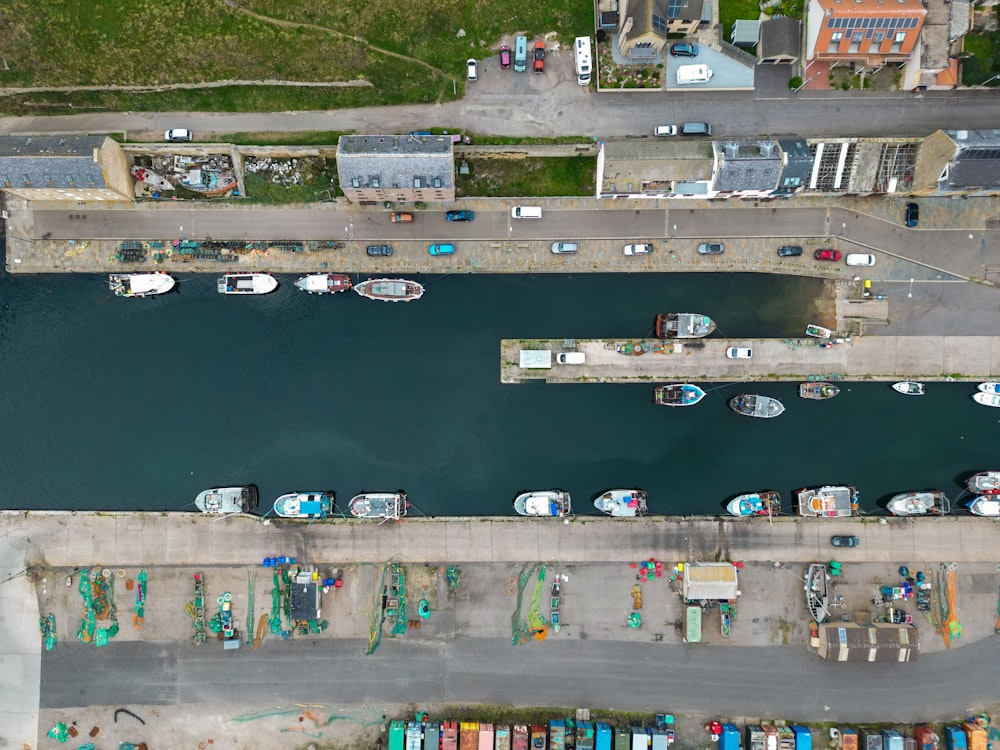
point(138, 404)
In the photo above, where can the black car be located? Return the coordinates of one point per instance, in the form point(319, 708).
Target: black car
point(912, 214)
point(789, 251)
point(460, 215)
point(845, 541)
point(384, 250)
point(684, 50)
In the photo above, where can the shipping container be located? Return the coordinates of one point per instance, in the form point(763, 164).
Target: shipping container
point(557, 734)
point(658, 739)
point(640, 738)
point(503, 737)
point(585, 736)
point(623, 739)
point(468, 735)
point(397, 735)
point(414, 735)
point(730, 737)
point(520, 739)
point(803, 737)
point(975, 736)
point(873, 740)
point(449, 735)
point(432, 736)
point(538, 737)
point(926, 737)
point(786, 738)
point(770, 736)
point(848, 739)
point(955, 738)
point(486, 737)
point(755, 737)
point(893, 740)
point(603, 736)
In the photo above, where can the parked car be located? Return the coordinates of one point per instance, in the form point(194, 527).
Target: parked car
point(471, 69)
point(684, 49)
point(789, 251)
point(644, 249)
point(845, 541)
point(860, 259)
point(398, 218)
point(711, 248)
point(827, 253)
point(504, 57)
point(460, 215)
point(564, 247)
point(539, 64)
point(739, 352)
point(444, 249)
point(383, 250)
point(912, 214)
point(665, 130)
point(178, 135)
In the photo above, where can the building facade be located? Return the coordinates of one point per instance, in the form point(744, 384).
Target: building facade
point(396, 168)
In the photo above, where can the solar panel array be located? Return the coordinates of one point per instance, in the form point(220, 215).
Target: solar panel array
point(674, 8)
point(981, 153)
point(872, 23)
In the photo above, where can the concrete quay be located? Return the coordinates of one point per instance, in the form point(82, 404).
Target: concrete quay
point(873, 358)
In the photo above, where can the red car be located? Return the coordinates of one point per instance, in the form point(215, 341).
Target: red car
point(504, 57)
point(827, 254)
point(539, 64)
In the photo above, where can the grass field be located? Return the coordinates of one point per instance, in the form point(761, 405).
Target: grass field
point(150, 42)
point(982, 58)
point(508, 178)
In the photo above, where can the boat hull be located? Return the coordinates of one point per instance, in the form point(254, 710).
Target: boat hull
point(311, 505)
point(928, 502)
point(225, 501)
point(390, 290)
point(324, 283)
point(382, 505)
point(817, 595)
point(755, 405)
point(678, 394)
point(622, 503)
point(543, 504)
point(246, 283)
point(985, 505)
point(987, 399)
point(683, 325)
point(989, 387)
point(140, 284)
point(984, 483)
point(818, 332)
point(764, 503)
point(909, 388)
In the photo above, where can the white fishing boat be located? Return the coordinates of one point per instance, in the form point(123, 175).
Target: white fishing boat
point(984, 483)
point(817, 594)
point(390, 290)
point(622, 503)
point(989, 387)
point(383, 505)
point(225, 501)
point(922, 503)
point(543, 504)
point(304, 505)
point(764, 503)
point(324, 283)
point(909, 388)
point(140, 284)
point(247, 283)
point(678, 394)
point(985, 505)
point(987, 399)
point(756, 405)
point(829, 501)
point(818, 332)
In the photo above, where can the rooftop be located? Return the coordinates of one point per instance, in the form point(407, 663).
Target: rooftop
point(395, 161)
point(748, 165)
point(51, 162)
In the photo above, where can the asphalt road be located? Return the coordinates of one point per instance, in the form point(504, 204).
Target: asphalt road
point(608, 674)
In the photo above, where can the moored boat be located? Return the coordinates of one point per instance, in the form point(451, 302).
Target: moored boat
point(763, 503)
point(987, 399)
point(984, 483)
point(818, 391)
point(324, 283)
point(224, 501)
point(678, 394)
point(304, 505)
point(246, 283)
point(755, 405)
point(817, 594)
point(989, 387)
point(921, 503)
point(985, 505)
point(385, 505)
point(622, 503)
point(672, 325)
point(909, 388)
point(818, 332)
point(543, 503)
point(829, 501)
point(390, 290)
point(140, 284)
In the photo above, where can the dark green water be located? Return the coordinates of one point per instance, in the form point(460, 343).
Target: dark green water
point(111, 403)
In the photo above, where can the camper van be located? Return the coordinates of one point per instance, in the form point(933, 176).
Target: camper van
point(520, 54)
point(693, 74)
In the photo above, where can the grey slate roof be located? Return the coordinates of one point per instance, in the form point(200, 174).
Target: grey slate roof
point(780, 37)
point(798, 165)
point(641, 12)
point(748, 165)
point(977, 163)
point(59, 161)
point(395, 161)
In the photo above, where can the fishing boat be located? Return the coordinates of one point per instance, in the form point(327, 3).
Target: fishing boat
point(390, 290)
point(247, 283)
point(922, 503)
point(622, 503)
point(683, 325)
point(829, 501)
point(989, 387)
point(755, 405)
point(678, 394)
point(818, 332)
point(987, 399)
point(818, 391)
point(151, 178)
point(764, 503)
point(385, 505)
point(324, 283)
point(984, 505)
point(140, 284)
point(984, 483)
point(543, 503)
point(909, 388)
point(224, 501)
point(817, 594)
point(304, 505)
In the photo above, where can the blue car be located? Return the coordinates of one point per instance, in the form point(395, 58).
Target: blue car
point(441, 249)
point(460, 216)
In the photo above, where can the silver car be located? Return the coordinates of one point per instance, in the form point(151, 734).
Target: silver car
point(711, 248)
point(564, 247)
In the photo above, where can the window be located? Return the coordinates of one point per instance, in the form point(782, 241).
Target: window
point(836, 37)
point(879, 36)
point(900, 37)
point(858, 36)
point(659, 23)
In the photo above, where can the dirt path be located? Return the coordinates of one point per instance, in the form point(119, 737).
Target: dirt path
point(10, 91)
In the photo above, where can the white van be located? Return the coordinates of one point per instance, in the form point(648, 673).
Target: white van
point(571, 358)
point(526, 212)
point(860, 259)
point(693, 74)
